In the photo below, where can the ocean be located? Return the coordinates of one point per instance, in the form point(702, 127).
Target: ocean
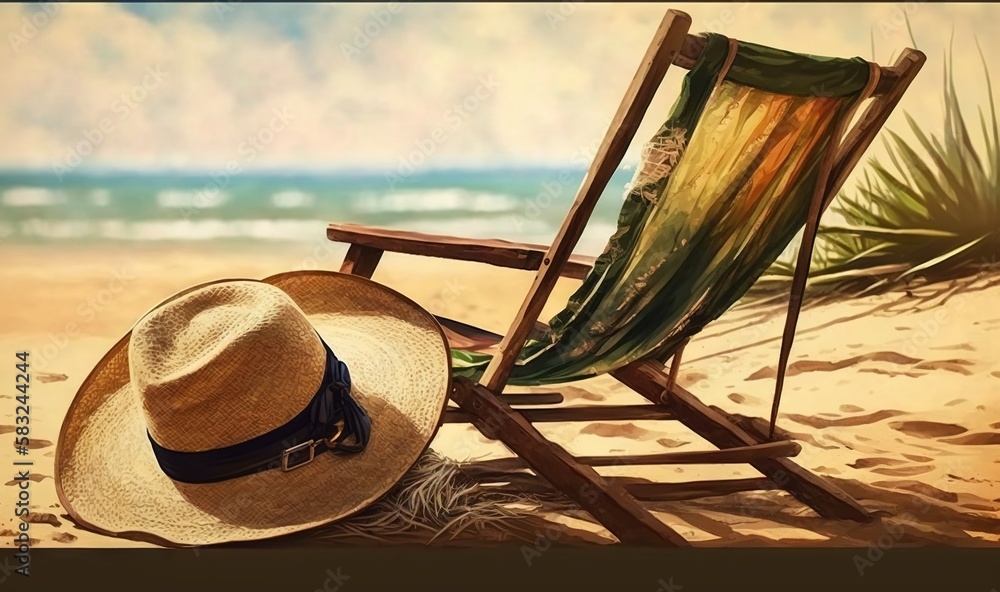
point(86, 207)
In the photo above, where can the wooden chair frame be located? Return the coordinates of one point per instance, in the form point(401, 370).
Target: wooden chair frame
point(612, 501)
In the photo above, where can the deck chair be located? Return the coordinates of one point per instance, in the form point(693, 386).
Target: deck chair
point(755, 149)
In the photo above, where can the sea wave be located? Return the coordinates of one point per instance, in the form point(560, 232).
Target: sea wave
point(435, 200)
point(176, 199)
point(169, 230)
point(536, 232)
point(32, 197)
point(291, 198)
point(100, 198)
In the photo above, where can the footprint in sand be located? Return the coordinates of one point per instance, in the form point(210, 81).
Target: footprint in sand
point(42, 518)
point(919, 487)
point(822, 366)
point(927, 429)
point(967, 479)
point(977, 439)
point(50, 377)
point(962, 346)
point(979, 507)
point(668, 443)
point(851, 446)
point(64, 537)
point(572, 392)
point(692, 378)
point(807, 438)
point(937, 451)
point(890, 373)
point(954, 402)
point(801, 366)
point(36, 443)
point(958, 366)
point(995, 374)
point(741, 398)
point(626, 430)
point(820, 422)
point(904, 471)
point(33, 477)
point(851, 409)
point(867, 463)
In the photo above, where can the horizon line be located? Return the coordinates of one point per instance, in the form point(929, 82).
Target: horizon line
point(312, 171)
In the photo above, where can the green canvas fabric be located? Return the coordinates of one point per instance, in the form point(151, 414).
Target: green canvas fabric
point(723, 188)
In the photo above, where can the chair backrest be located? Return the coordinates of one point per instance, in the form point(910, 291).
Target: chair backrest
point(750, 153)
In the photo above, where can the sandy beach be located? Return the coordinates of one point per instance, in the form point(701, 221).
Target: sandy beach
point(896, 397)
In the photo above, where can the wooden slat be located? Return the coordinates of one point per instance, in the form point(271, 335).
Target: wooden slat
point(641, 489)
point(361, 260)
point(669, 492)
point(828, 500)
point(695, 44)
point(742, 454)
point(592, 413)
point(492, 251)
point(532, 398)
point(665, 46)
point(610, 504)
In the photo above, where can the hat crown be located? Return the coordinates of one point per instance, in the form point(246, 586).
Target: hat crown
point(223, 364)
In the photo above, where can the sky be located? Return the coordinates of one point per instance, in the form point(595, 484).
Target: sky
point(376, 86)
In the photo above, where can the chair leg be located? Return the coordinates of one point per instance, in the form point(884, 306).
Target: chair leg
point(361, 261)
point(675, 365)
point(828, 500)
point(608, 502)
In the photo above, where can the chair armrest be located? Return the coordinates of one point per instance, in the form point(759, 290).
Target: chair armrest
point(492, 251)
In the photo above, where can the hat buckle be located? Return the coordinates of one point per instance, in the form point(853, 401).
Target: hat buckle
point(310, 445)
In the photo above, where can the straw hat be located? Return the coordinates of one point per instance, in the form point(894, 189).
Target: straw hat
point(227, 388)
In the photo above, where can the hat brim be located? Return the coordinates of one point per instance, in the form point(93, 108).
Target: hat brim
point(108, 480)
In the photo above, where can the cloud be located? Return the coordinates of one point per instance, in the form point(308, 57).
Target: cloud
point(367, 83)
